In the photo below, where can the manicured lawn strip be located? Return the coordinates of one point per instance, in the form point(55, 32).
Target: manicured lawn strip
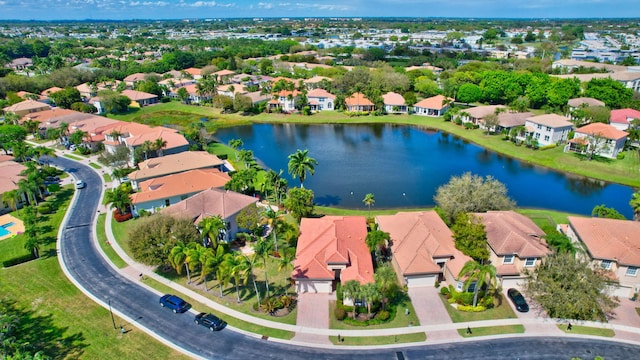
point(401, 320)
point(107, 178)
point(587, 330)
point(95, 166)
point(40, 287)
point(503, 311)
point(324, 210)
point(379, 340)
point(73, 157)
point(492, 330)
point(121, 233)
point(240, 324)
point(102, 240)
point(546, 219)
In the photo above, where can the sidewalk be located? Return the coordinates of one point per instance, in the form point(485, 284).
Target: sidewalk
point(307, 333)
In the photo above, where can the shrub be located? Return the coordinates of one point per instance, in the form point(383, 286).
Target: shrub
point(465, 298)
point(469, 125)
point(547, 147)
point(44, 208)
point(339, 313)
point(121, 217)
point(470, 308)
point(17, 260)
point(620, 156)
point(445, 292)
point(383, 315)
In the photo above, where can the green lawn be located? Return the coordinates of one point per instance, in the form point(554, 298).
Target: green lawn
point(102, 240)
point(502, 311)
point(73, 157)
point(546, 219)
point(401, 320)
point(107, 178)
point(587, 330)
point(379, 340)
point(364, 211)
point(95, 166)
point(492, 330)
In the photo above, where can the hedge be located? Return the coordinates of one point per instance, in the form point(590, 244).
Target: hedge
point(18, 260)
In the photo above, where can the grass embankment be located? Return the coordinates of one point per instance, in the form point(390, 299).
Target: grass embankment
point(492, 330)
point(104, 243)
point(95, 166)
point(379, 340)
point(400, 321)
point(587, 330)
point(623, 171)
point(57, 313)
point(501, 311)
point(73, 157)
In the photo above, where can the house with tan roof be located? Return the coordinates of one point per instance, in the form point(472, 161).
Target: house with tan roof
point(423, 249)
point(315, 81)
point(140, 98)
point(357, 102)
point(476, 114)
point(223, 76)
point(287, 99)
point(163, 191)
point(583, 102)
point(612, 245)
point(134, 135)
point(194, 72)
point(598, 139)
point(173, 164)
point(50, 91)
point(433, 106)
point(516, 244)
point(621, 118)
point(321, 99)
point(213, 202)
point(231, 90)
point(9, 177)
point(394, 103)
point(20, 64)
point(132, 79)
point(27, 107)
point(87, 91)
point(331, 250)
point(547, 129)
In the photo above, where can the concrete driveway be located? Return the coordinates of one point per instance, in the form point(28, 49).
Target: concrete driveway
point(431, 311)
point(313, 312)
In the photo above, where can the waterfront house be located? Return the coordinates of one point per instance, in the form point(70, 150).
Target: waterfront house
point(598, 139)
point(547, 129)
point(433, 106)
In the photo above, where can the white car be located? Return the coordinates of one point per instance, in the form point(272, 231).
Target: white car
point(81, 184)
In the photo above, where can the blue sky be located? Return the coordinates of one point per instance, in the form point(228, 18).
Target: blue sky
point(179, 9)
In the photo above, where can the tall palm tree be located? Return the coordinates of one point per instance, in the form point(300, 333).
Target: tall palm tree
point(272, 218)
point(300, 163)
point(11, 199)
point(262, 250)
point(234, 267)
point(375, 240)
point(45, 151)
point(287, 255)
point(158, 145)
point(194, 254)
point(249, 263)
point(271, 178)
point(146, 147)
point(119, 198)
point(352, 290)
point(480, 274)
point(235, 145)
point(370, 294)
point(211, 261)
point(29, 189)
point(210, 228)
point(385, 277)
point(635, 205)
point(178, 259)
point(369, 200)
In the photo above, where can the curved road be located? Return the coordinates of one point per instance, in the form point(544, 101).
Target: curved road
point(91, 271)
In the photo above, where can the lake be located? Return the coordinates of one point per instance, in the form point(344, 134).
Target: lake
point(404, 165)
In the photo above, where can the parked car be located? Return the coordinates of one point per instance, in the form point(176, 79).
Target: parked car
point(81, 184)
point(211, 321)
point(518, 300)
point(176, 304)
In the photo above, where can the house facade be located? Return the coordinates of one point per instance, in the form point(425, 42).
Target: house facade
point(140, 98)
point(27, 107)
point(611, 245)
point(331, 250)
point(394, 103)
point(599, 139)
point(476, 114)
point(357, 102)
point(547, 129)
point(516, 245)
point(433, 106)
point(423, 250)
point(621, 118)
point(321, 100)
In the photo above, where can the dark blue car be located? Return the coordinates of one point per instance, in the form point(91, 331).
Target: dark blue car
point(176, 304)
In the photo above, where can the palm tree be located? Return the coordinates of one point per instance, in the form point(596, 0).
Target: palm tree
point(369, 200)
point(194, 254)
point(235, 145)
point(351, 290)
point(248, 264)
point(262, 250)
point(271, 178)
point(370, 294)
point(272, 218)
point(385, 277)
point(287, 255)
point(119, 198)
point(178, 259)
point(234, 267)
point(211, 260)
point(45, 151)
point(635, 205)
point(211, 227)
point(158, 145)
point(11, 199)
point(146, 147)
point(29, 189)
point(375, 240)
point(479, 274)
point(300, 163)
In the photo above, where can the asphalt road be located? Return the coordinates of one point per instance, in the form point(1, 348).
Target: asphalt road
point(95, 275)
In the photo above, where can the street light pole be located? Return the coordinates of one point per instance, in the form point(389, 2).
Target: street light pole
point(112, 319)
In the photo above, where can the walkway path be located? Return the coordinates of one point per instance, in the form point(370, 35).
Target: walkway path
point(312, 330)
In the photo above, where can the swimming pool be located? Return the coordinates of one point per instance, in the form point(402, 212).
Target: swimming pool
point(3, 229)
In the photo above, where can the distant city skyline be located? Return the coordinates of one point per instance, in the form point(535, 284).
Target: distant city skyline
point(190, 9)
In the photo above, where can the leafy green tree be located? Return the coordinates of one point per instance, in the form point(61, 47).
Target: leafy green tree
point(472, 193)
point(249, 218)
point(559, 242)
point(599, 114)
point(470, 237)
point(613, 93)
point(602, 211)
point(300, 163)
point(183, 95)
point(299, 202)
point(478, 274)
point(569, 287)
point(11, 134)
point(376, 240)
point(152, 238)
point(469, 93)
point(113, 102)
point(118, 197)
point(66, 97)
point(242, 181)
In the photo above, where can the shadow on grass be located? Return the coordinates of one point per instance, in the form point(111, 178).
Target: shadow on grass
point(34, 332)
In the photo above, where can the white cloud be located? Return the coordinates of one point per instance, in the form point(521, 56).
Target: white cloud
point(262, 5)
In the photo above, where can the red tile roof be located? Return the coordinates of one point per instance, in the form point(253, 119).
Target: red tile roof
point(624, 116)
point(357, 99)
point(334, 240)
point(210, 202)
point(10, 175)
point(604, 130)
point(510, 233)
point(393, 99)
point(609, 239)
point(184, 183)
point(320, 93)
point(434, 102)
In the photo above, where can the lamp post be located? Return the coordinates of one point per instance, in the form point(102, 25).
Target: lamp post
point(113, 320)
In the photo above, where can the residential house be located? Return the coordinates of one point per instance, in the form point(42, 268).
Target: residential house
point(607, 140)
point(394, 103)
point(331, 250)
point(87, 91)
point(132, 79)
point(547, 129)
point(433, 106)
point(163, 191)
point(621, 118)
point(223, 76)
point(195, 73)
point(476, 114)
point(510, 120)
point(612, 245)
point(423, 249)
point(257, 97)
point(316, 81)
point(213, 202)
point(287, 99)
point(50, 91)
point(173, 164)
point(357, 102)
point(231, 90)
point(20, 64)
point(583, 102)
point(321, 99)
point(53, 117)
point(516, 245)
point(140, 98)
point(134, 135)
point(9, 177)
point(27, 107)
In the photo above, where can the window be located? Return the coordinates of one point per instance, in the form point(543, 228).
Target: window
point(537, 136)
point(548, 128)
point(546, 138)
point(507, 259)
point(632, 271)
point(606, 264)
point(167, 202)
point(530, 262)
